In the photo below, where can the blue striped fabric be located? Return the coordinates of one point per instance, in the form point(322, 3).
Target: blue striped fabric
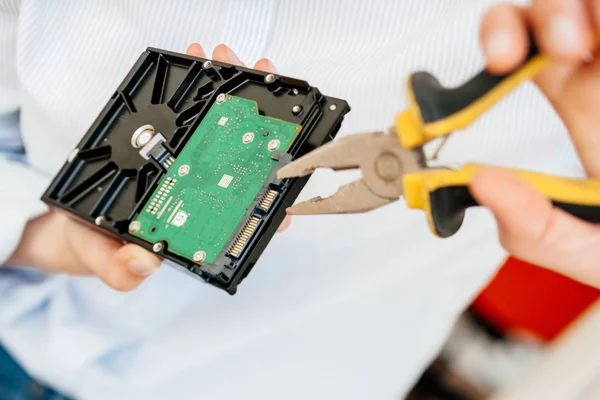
point(348, 307)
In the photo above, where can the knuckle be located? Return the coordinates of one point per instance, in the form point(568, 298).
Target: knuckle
point(533, 243)
point(546, 237)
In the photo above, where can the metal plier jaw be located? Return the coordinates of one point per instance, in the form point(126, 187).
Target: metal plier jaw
point(382, 161)
point(393, 164)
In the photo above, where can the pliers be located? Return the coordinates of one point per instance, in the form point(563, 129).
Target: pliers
point(393, 163)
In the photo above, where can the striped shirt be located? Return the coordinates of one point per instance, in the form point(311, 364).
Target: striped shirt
point(348, 307)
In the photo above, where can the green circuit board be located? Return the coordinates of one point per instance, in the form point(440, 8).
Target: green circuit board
point(220, 172)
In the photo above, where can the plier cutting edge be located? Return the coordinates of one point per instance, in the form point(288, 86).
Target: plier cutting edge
point(393, 163)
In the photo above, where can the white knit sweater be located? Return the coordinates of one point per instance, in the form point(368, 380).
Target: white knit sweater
point(362, 303)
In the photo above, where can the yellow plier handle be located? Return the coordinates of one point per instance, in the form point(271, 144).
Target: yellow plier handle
point(444, 195)
point(435, 111)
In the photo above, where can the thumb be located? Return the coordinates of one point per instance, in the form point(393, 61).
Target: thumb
point(128, 267)
point(532, 229)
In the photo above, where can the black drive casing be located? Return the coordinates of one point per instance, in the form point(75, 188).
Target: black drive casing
point(105, 182)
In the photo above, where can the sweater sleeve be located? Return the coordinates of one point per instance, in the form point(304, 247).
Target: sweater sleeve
point(21, 185)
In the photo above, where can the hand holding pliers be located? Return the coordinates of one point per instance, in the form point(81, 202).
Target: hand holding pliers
point(393, 163)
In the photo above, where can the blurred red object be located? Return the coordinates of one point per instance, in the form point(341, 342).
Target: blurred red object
point(525, 297)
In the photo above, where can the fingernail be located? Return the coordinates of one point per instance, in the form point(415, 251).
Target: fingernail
point(271, 67)
point(233, 57)
point(499, 44)
point(141, 267)
point(565, 35)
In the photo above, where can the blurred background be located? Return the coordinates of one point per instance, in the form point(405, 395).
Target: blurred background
point(523, 336)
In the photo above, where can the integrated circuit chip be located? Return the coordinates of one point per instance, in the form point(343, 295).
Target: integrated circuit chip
point(207, 192)
point(225, 181)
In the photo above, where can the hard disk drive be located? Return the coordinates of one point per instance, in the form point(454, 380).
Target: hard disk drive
point(182, 161)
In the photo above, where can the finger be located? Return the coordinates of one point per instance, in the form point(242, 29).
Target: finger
point(264, 64)
point(285, 224)
point(594, 9)
point(573, 87)
point(504, 38)
point(121, 267)
point(506, 43)
point(562, 28)
point(225, 54)
point(195, 50)
point(128, 267)
point(46, 244)
point(86, 248)
point(532, 229)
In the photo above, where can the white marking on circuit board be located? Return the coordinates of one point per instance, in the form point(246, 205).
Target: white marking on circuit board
point(225, 181)
point(160, 197)
point(180, 218)
point(175, 211)
point(223, 121)
point(152, 208)
point(160, 214)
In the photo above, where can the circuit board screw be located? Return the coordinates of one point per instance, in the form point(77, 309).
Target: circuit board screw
point(158, 246)
point(333, 107)
point(207, 64)
point(221, 98)
point(99, 221)
point(248, 137)
point(183, 170)
point(199, 256)
point(134, 226)
point(274, 144)
point(297, 110)
point(270, 78)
